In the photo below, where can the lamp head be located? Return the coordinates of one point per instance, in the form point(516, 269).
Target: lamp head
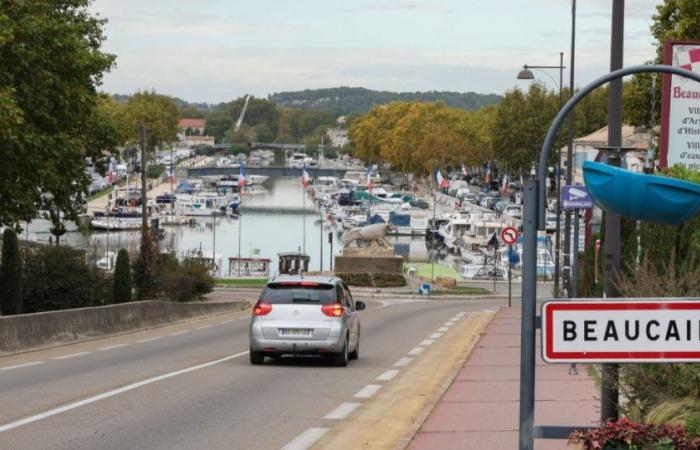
point(526, 74)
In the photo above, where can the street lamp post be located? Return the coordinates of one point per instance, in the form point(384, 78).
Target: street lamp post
point(526, 74)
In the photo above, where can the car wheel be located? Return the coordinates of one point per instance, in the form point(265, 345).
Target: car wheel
point(256, 358)
point(341, 359)
point(355, 353)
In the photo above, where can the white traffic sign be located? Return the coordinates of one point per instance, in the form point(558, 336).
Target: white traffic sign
point(509, 235)
point(639, 330)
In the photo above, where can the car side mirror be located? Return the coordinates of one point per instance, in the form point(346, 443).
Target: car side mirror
point(359, 306)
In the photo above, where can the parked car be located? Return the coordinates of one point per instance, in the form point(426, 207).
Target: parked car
point(302, 315)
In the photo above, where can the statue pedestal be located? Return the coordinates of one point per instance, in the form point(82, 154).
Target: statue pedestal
point(368, 264)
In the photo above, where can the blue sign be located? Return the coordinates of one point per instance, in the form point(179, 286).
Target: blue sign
point(576, 197)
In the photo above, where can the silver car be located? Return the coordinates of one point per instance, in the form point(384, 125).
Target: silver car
point(302, 315)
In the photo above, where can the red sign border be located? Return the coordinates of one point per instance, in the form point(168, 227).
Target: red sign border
point(550, 356)
point(503, 232)
point(666, 98)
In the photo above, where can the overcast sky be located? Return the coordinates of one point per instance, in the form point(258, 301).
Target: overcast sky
point(218, 50)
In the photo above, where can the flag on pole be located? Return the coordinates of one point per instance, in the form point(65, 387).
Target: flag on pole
point(242, 181)
point(487, 177)
point(440, 180)
point(369, 180)
point(464, 170)
point(504, 185)
point(305, 178)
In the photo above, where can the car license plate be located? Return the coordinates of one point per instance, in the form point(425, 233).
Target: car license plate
point(295, 332)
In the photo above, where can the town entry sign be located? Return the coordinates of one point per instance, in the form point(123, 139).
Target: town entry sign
point(632, 331)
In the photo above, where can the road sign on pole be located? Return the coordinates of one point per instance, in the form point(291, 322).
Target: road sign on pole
point(576, 197)
point(633, 330)
point(509, 235)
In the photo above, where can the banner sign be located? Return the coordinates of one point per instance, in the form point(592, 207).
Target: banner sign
point(576, 197)
point(680, 107)
point(639, 330)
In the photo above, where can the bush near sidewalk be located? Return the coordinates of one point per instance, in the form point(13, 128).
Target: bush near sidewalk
point(183, 281)
point(122, 278)
point(625, 434)
point(10, 275)
point(366, 279)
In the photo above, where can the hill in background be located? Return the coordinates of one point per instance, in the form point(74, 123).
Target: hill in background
point(348, 100)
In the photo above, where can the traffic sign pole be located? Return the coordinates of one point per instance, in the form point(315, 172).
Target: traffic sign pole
point(510, 276)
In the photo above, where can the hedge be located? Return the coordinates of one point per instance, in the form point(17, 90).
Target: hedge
point(366, 279)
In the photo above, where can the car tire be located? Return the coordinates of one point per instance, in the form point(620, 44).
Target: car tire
point(355, 353)
point(257, 358)
point(341, 359)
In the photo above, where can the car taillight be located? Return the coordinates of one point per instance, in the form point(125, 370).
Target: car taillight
point(333, 310)
point(262, 308)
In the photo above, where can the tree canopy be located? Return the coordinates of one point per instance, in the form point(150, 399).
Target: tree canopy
point(52, 64)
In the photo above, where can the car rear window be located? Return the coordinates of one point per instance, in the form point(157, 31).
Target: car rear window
point(299, 292)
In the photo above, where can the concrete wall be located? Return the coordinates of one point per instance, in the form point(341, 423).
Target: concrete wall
point(25, 331)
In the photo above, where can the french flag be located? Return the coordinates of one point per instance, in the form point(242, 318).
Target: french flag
point(487, 178)
point(369, 180)
point(305, 178)
point(440, 180)
point(464, 170)
point(241, 177)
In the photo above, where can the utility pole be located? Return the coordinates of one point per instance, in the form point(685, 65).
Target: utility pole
point(144, 207)
point(609, 395)
point(569, 255)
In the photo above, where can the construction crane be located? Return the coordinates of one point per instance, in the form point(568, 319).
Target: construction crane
point(240, 118)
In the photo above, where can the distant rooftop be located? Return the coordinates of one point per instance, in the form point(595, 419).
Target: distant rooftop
point(192, 123)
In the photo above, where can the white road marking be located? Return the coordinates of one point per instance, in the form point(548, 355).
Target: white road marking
point(178, 333)
point(17, 366)
point(72, 355)
point(111, 347)
point(306, 439)
point(426, 342)
point(226, 321)
point(388, 375)
point(113, 392)
point(449, 323)
point(403, 362)
point(435, 335)
point(342, 411)
point(203, 327)
point(416, 351)
point(155, 338)
point(368, 391)
point(443, 329)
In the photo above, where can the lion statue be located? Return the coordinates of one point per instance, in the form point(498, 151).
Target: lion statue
point(370, 237)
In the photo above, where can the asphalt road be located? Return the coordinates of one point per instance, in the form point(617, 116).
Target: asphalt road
point(191, 386)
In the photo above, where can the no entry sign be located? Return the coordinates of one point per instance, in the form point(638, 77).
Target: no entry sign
point(509, 235)
point(649, 330)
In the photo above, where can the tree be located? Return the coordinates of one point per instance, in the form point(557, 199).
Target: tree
point(675, 19)
point(146, 267)
point(51, 66)
point(122, 278)
point(10, 275)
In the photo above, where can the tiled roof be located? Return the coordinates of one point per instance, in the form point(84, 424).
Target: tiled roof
point(192, 123)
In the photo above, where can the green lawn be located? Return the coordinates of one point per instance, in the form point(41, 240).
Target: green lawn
point(99, 194)
point(425, 270)
point(242, 281)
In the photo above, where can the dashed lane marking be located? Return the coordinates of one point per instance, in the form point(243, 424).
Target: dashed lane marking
point(155, 338)
point(342, 411)
point(112, 347)
point(203, 327)
point(426, 342)
point(388, 375)
point(416, 350)
point(72, 355)
point(435, 335)
point(443, 329)
point(17, 366)
point(306, 439)
point(178, 333)
point(403, 362)
point(368, 391)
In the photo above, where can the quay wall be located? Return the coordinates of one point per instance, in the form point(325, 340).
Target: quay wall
point(26, 331)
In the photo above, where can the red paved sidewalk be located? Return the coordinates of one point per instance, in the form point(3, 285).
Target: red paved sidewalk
point(480, 408)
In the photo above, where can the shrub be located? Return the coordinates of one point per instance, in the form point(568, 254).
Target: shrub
point(59, 278)
point(365, 279)
point(10, 275)
point(184, 281)
point(625, 434)
point(122, 278)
